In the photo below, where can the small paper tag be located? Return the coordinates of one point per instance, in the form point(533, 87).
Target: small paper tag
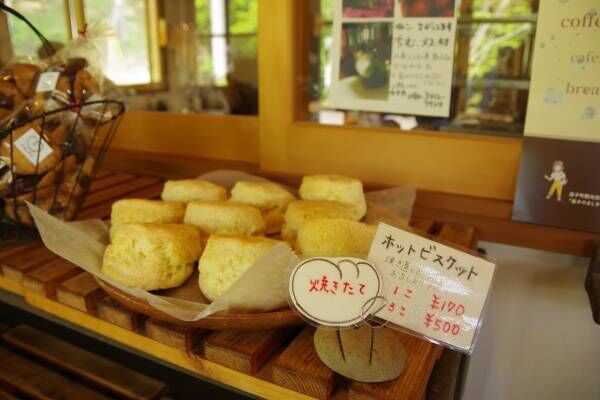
point(431, 289)
point(336, 291)
point(47, 81)
point(30, 144)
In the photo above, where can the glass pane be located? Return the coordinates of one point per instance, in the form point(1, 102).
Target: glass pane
point(491, 69)
point(48, 16)
point(497, 8)
point(211, 59)
point(129, 63)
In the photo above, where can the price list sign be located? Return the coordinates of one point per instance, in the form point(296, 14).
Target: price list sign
point(431, 289)
point(393, 56)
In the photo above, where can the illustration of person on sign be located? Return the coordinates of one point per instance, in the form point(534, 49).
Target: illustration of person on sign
point(558, 179)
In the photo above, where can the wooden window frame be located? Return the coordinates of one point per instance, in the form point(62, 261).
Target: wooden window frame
point(156, 43)
point(228, 35)
point(466, 164)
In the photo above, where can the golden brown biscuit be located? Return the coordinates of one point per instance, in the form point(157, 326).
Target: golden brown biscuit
point(224, 218)
point(151, 256)
point(187, 190)
point(299, 211)
point(85, 85)
point(25, 77)
point(59, 135)
point(64, 84)
point(226, 259)
point(10, 96)
point(147, 212)
point(270, 198)
point(335, 188)
point(334, 237)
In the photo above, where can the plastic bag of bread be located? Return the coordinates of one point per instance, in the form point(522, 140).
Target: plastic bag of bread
point(75, 75)
point(48, 157)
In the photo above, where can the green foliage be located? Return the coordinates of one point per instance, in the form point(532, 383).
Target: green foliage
point(47, 16)
point(327, 10)
point(243, 16)
point(202, 16)
point(503, 8)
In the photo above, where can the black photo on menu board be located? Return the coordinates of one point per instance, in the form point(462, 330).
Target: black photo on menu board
point(366, 54)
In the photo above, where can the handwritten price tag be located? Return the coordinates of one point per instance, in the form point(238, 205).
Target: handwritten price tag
point(431, 289)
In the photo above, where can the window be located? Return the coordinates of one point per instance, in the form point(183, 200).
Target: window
point(128, 61)
point(491, 68)
point(48, 16)
point(227, 41)
point(133, 59)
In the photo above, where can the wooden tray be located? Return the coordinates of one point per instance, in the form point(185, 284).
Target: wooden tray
point(239, 322)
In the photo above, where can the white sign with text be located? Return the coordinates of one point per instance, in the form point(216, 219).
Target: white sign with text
point(431, 289)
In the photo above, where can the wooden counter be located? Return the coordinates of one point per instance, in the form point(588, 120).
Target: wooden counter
point(272, 364)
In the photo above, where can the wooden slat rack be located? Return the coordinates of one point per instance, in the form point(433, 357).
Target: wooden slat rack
point(272, 364)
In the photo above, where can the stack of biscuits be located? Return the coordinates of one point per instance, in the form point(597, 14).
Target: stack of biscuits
point(45, 160)
point(154, 242)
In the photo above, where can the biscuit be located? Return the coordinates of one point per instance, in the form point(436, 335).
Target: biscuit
point(10, 96)
point(84, 85)
point(147, 212)
point(226, 259)
point(64, 84)
point(334, 237)
point(58, 136)
point(186, 190)
point(270, 198)
point(224, 218)
point(25, 76)
point(299, 211)
point(151, 256)
point(335, 188)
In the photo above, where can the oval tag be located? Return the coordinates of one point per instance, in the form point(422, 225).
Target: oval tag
point(335, 291)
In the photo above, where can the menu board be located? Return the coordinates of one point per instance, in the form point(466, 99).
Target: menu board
point(393, 56)
point(558, 182)
point(564, 96)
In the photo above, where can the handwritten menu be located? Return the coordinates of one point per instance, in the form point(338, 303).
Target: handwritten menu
point(393, 56)
point(430, 288)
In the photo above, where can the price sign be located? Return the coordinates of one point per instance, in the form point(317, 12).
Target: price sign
point(430, 288)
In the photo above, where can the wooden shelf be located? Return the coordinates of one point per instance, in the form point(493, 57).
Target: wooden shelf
point(271, 364)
